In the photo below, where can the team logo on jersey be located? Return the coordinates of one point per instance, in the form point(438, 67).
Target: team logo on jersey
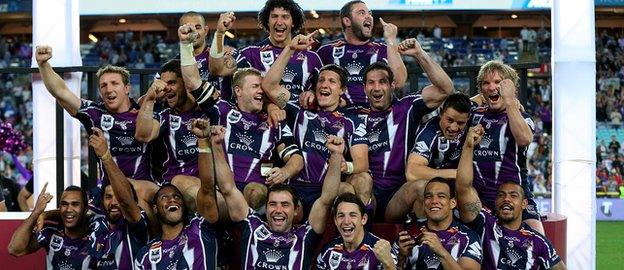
point(363, 263)
point(155, 254)
point(246, 139)
point(354, 68)
point(175, 122)
point(189, 140)
point(443, 144)
point(309, 115)
point(338, 51)
point(486, 141)
point(262, 233)
point(320, 136)
point(360, 130)
point(272, 256)
point(234, 116)
point(125, 140)
point(56, 243)
point(334, 259)
point(106, 122)
point(301, 57)
point(289, 76)
point(267, 57)
point(432, 262)
point(373, 136)
point(67, 252)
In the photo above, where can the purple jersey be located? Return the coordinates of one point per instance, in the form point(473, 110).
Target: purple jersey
point(116, 248)
point(312, 129)
point(194, 248)
point(180, 143)
point(512, 249)
point(250, 141)
point(440, 152)
point(264, 249)
point(224, 84)
point(390, 136)
point(335, 256)
point(354, 58)
point(497, 158)
point(302, 67)
point(63, 252)
point(118, 129)
point(457, 239)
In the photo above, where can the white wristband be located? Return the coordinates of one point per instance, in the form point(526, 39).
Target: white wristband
point(213, 47)
point(186, 54)
point(349, 167)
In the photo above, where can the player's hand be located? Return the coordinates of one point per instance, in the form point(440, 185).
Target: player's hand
point(155, 91)
point(474, 136)
point(187, 33)
point(43, 53)
point(225, 22)
point(406, 243)
point(410, 46)
point(431, 239)
point(217, 134)
point(507, 91)
point(275, 176)
point(43, 200)
point(302, 42)
point(335, 145)
point(389, 32)
point(98, 142)
point(276, 115)
point(382, 252)
point(307, 100)
point(200, 127)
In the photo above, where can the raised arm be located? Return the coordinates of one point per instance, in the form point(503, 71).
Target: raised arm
point(441, 84)
point(54, 83)
point(220, 63)
point(331, 184)
point(418, 169)
point(206, 195)
point(203, 91)
point(237, 205)
point(394, 57)
point(519, 128)
point(147, 128)
point(468, 201)
point(23, 242)
point(271, 82)
point(118, 181)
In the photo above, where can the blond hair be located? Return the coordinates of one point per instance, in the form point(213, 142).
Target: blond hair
point(239, 77)
point(125, 74)
point(504, 70)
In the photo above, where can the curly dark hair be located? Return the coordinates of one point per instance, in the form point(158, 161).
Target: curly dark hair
point(296, 12)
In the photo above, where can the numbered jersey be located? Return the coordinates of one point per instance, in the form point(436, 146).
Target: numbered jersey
point(457, 239)
point(194, 248)
point(301, 69)
point(264, 249)
point(250, 141)
point(335, 256)
point(180, 143)
point(354, 58)
point(118, 129)
point(512, 249)
point(390, 135)
point(497, 158)
point(312, 128)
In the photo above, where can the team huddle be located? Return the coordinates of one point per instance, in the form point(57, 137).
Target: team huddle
point(276, 139)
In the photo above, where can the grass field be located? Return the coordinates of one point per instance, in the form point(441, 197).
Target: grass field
point(609, 245)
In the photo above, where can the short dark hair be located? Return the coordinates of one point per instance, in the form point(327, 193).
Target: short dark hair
point(515, 184)
point(296, 13)
point(379, 66)
point(345, 11)
point(284, 187)
point(172, 65)
point(341, 71)
point(192, 14)
point(347, 197)
point(443, 181)
point(458, 101)
point(83, 195)
point(134, 193)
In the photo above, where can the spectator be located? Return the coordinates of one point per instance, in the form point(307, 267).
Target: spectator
point(614, 145)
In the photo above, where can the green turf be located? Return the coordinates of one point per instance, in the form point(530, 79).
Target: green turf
point(609, 245)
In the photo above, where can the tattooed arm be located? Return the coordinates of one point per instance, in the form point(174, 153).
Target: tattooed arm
point(467, 197)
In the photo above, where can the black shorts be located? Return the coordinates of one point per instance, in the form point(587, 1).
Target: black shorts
point(383, 197)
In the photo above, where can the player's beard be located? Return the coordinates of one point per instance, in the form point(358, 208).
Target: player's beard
point(358, 32)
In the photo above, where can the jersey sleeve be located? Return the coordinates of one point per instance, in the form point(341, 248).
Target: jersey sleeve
point(473, 249)
point(139, 230)
point(292, 110)
point(478, 224)
point(547, 255)
point(315, 64)
point(288, 140)
point(243, 58)
point(423, 143)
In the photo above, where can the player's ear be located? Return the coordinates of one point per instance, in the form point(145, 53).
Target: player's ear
point(364, 219)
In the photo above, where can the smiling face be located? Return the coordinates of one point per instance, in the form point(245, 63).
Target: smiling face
point(249, 95)
point(350, 222)
point(114, 92)
point(169, 206)
point(510, 202)
point(438, 202)
point(378, 88)
point(360, 22)
point(452, 123)
point(328, 90)
point(280, 25)
point(280, 211)
point(111, 206)
point(200, 26)
point(175, 93)
point(72, 209)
